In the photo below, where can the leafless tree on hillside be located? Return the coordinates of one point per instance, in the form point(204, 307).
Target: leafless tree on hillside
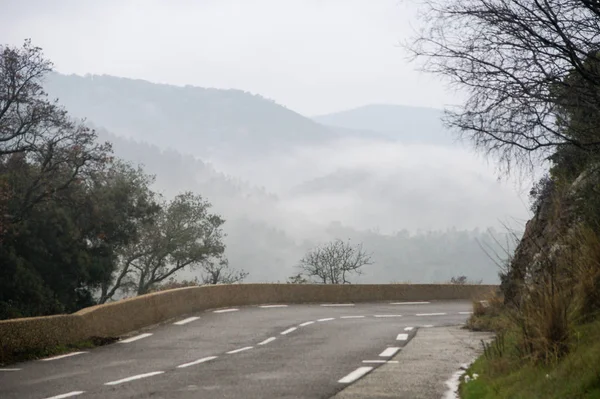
point(522, 63)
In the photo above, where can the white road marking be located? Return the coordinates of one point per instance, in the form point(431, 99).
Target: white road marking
point(266, 341)
point(355, 375)
point(225, 310)
point(239, 350)
point(128, 340)
point(9, 370)
point(337, 304)
point(133, 378)
point(273, 306)
point(465, 312)
point(389, 352)
point(430, 314)
point(185, 321)
point(409, 303)
point(307, 323)
point(352, 317)
point(327, 319)
point(66, 395)
point(388, 315)
point(408, 328)
point(62, 356)
point(428, 325)
point(289, 330)
point(204, 359)
point(380, 361)
point(402, 337)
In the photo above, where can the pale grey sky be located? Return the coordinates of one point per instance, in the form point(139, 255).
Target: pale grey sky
point(313, 56)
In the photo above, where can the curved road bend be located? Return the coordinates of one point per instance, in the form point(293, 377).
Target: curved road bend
point(295, 351)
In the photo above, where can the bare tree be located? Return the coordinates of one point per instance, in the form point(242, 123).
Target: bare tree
point(525, 65)
point(219, 273)
point(333, 262)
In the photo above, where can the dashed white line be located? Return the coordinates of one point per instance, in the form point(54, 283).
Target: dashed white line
point(408, 328)
point(337, 304)
point(352, 317)
point(380, 361)
point(307, 323)
point(402, 337)
point(225, 310)
point(185, 321)
point(62, 356)
point(428, 325)
point(389, 352)
point(239, 350)
point(266, 341)
point(430, 314)
point(128, 340)
point(273, 306)
point(388, 315)
point(134, 377)
point(465, 312)
point(327, 319)
point(409, 303)
point(355, 375)
point(66, 395)
point(7, 370)
point(289, 330)
point(203, 360)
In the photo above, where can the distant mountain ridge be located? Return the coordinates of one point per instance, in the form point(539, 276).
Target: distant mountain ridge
point(407, 124)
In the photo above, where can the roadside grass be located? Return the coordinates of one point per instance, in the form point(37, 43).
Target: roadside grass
point(35, 354)
point(503, 372)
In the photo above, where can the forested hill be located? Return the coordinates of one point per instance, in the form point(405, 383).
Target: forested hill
point(190, 119)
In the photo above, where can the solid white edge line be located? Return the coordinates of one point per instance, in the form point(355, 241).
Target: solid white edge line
point(204, 359)
point(66, 395)
point(465, 312)
point(273, 306)
point(409, 303)
point(62, 356)
point(352, 317)
point(289, 330)
point(134, 377)
point(185, 321)
point(402, 337)
point(226, 310)
point(337, 304)
point(10, 370)
point(388, 315)
point(306, 323)
point(355, 375)
point(266, 341)
point(327, 319)
point(430, 314)
point(389, 352)
point(128, 340)
point(239, 350)
point(408, 328)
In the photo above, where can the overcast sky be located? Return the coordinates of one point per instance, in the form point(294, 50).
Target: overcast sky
point(313, 56)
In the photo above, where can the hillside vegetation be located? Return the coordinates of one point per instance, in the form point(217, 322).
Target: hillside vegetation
point(532, 72)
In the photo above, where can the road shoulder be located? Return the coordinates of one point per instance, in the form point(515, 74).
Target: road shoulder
point(424, 366)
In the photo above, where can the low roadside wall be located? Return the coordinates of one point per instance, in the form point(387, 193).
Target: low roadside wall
point(117, 318)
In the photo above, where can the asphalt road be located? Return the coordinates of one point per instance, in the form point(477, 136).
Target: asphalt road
point(296, 351)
